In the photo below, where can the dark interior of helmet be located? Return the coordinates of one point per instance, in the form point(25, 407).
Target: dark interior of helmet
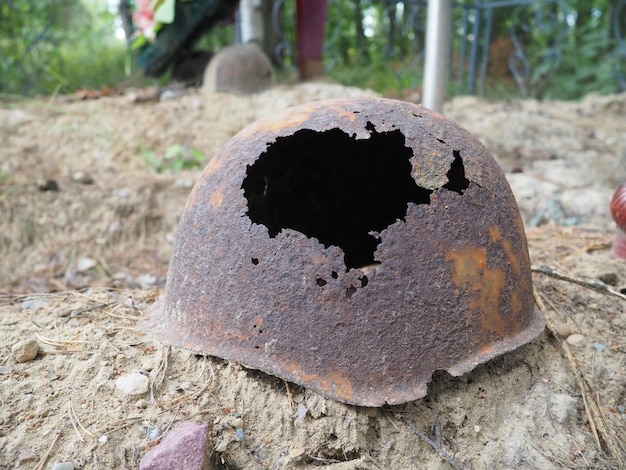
point(341, 190)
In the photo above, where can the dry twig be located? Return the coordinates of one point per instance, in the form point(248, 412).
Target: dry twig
point(42, 462)
point(289, 395)
point(595, 285)
point(433, 444)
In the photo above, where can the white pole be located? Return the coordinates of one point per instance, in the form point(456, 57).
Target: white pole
point(251, 19)
point(438, 35)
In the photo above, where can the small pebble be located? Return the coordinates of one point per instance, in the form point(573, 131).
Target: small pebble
point(63, 466)
point(133, 384)
point(4, 370)
point(610, 279)
point(142, 404)
point(103, 439)
point(47, 185)
point(476, 428)
point(576, 340)
point(598, 346)
point(297, 452)
point(153, 433)
point(82, 177)
point(237, 423)
point(302, 411)
point(85, 264)
point(25, 350)
point(240, 434)
point(563, 329)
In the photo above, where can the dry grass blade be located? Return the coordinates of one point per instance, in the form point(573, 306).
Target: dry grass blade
point(80, 425)
point(597, 423)
point(70, 411)
point(58, 343)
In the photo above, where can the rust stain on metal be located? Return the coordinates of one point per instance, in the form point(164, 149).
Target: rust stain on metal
point(494, 234)
point(334, 383)
point(354, 247)
point(472, 273)
point(217, 197)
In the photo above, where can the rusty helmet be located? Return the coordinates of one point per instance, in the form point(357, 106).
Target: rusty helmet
point(352, 246)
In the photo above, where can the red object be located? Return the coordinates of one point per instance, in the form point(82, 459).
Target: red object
point(618, 211)
point(311, 25)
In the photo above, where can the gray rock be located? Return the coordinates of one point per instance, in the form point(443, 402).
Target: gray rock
point(25, 350)
point(186, 447)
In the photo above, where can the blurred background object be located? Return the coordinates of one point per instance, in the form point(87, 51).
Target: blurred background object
point(556, 49)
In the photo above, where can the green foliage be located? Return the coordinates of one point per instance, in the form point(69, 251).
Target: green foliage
point(58, 46)
point(389, 77)
point(176, 159)
point(586, 67)
point(567, 52)
point(61, 45)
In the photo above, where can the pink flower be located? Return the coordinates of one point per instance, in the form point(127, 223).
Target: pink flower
point(144, 18)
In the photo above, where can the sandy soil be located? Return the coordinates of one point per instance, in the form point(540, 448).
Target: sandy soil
point(79, 265)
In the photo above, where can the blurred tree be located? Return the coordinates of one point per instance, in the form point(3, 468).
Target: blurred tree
point(31, 33)
point(57, 45)
point(64, 44)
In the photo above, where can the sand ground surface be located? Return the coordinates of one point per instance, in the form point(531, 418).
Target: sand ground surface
point(86, 232)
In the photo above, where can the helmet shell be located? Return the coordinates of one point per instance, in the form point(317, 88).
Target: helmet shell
point(352, 246)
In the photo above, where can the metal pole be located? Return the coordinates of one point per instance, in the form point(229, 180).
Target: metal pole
point(438, 34)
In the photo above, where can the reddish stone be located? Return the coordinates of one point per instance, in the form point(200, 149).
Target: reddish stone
point(184, 448)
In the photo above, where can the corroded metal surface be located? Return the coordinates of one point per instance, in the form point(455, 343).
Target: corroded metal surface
point(354, 247)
